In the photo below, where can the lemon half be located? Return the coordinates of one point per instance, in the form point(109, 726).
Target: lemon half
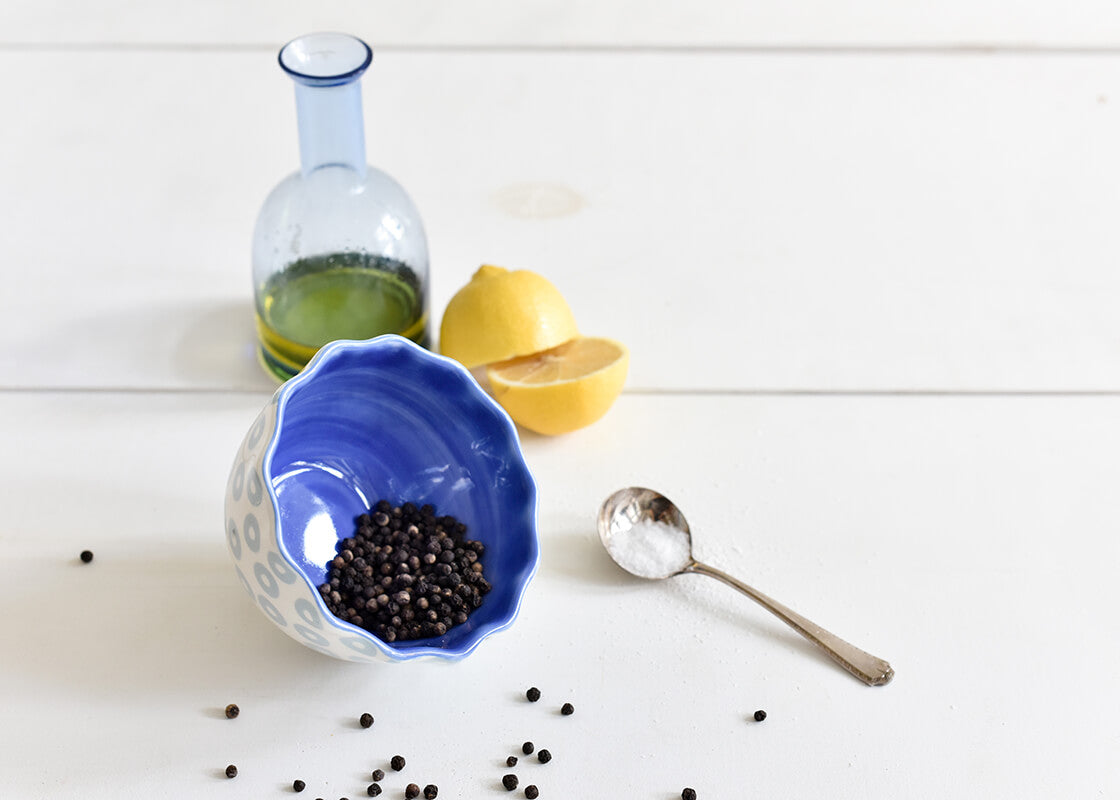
point(564, 388)
point(502, 314)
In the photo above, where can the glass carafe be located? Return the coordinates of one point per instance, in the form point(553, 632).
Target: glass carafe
point(339, 251)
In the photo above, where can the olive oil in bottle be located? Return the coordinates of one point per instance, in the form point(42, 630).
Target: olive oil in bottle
point(337, 296)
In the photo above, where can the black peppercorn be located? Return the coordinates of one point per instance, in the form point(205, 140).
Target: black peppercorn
point(398, 567)
point(759, 715)
point(532, 792)
point(231, 771)
point(534, 694)
point(411, 791)
point(431, 791)
point(544, 756)
point(232, 711)
point(373, 790)
point(365, 720)
point(378, 775)
point(86, 556)
point(298, 786)
point(567, 709)
point(511, 761)
point(397, 763)
point(510, 782)
point(688, 794)
point(527, 748)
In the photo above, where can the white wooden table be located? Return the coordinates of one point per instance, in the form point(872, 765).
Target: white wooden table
point(865, 256)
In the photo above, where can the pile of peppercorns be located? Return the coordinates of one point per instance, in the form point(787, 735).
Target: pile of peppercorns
point(406, 573)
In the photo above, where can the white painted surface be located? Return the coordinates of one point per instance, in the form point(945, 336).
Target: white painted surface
point(917, 216)
point(970, 541)
point(566, 23)
point(745, 222)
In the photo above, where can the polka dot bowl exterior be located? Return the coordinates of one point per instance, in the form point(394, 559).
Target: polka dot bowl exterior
point(363, 421)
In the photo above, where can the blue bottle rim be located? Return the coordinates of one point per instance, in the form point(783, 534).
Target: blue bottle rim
point(327, 80)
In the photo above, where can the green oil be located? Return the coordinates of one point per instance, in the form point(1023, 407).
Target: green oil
point(337, 296)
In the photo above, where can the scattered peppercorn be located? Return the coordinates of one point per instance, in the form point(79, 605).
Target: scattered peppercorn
point(534, 694)
point(373, 790)
point(431, 791)
point(86, 556)
point(411, 791)
point(567, 709)
point(232, 711)
point(298, 786)
point(544, 756)
point(532, 792)
point(510, 782)
point(759, 715)
point(365, 720)
point(527, 748)
point(511, 761)
point(231, 771)
point(405, 573)
point(397, 763)
point(378, 775)
point(688, 794)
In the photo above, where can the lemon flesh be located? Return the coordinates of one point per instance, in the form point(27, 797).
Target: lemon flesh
point(562, 389)
point(501, 314)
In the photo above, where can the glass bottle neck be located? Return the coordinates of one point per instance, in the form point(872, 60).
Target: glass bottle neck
point(331, 131)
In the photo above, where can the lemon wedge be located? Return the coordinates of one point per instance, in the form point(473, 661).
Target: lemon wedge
point(564, 388)
point(501, 314)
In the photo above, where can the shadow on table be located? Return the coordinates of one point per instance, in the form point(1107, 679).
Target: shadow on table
point(196, 345)
point(147, 626)
point(219, 341)
point(575, 554)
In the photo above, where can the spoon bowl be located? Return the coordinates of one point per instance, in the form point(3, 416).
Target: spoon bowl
point(648, 536)
point(645, 533)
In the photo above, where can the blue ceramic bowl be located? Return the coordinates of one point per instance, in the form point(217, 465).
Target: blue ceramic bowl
point(363, 421)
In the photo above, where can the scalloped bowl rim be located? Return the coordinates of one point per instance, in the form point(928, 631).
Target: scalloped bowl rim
point(522, 577)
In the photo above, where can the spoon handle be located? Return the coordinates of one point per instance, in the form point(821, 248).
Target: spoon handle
point(869, 669)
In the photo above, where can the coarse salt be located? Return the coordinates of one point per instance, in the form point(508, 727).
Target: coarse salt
point(651, 549)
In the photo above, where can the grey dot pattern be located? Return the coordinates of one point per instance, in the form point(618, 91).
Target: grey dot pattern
point(311, 636)
point(255, 490)
point(256, 431)
point(237, 482)
point(271, 611)
point(263, 571)
point(233, 539)
point(252, 532)
point(266, 580)
point(363, 646)
point(280, 569)
point(308, 613)
point(244, 582)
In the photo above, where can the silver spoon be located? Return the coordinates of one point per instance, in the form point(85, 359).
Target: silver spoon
point(648, 536)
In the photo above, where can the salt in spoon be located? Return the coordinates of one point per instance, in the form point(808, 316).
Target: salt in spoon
point(649, 537)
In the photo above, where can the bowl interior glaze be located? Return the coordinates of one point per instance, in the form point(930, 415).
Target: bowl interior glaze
point(386, 419)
